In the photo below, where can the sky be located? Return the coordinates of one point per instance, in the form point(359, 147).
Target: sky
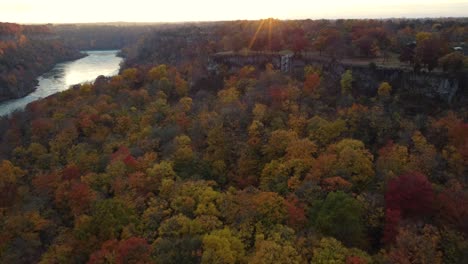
point(66, 11)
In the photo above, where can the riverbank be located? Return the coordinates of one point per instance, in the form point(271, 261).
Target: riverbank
point(65, 74)
point(19, 71)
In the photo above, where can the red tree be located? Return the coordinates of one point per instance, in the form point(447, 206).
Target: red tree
point(392, 220)
point(296, 213)
point(453, 207)
point(132, 250)
point(311, 83)
point(123, 154)
point(80, 198)
point(355, 260)
point(71, 172)
point(411, 193)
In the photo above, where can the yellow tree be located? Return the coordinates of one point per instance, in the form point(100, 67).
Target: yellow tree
point(422, 155)
point(222, 247)
point(346, 82)
point(278, 142)
point(384, 90)
point(393, 160)
point(158, 72)
point(354, 161)
point(9, 177)
point(272, 252)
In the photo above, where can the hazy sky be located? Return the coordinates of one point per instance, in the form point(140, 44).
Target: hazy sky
point(58, 11)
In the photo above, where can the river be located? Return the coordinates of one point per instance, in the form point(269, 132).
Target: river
point(63, 75)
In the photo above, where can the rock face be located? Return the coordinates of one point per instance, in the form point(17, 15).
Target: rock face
point(434, 86)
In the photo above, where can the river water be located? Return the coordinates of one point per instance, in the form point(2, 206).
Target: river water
point(63, 75)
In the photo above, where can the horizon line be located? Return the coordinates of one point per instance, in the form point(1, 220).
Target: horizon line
point(233, 20)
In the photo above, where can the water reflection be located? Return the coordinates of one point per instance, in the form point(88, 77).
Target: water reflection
point(63, 75)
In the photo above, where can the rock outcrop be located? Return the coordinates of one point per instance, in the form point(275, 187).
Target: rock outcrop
point(435, 86)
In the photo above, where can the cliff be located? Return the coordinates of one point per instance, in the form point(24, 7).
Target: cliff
point(432, 86)
point(435, 86)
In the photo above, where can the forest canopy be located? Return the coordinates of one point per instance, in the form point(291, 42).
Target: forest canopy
point(168, 162)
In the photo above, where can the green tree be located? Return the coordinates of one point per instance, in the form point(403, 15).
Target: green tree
point(340, 216)
point(346, 82)
point(109, 217)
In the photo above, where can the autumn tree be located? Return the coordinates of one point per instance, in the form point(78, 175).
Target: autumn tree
point(131, 250)
point(311, 84)
point(407, 53)
point(411, 193)
point(452, 62)
point(9, 182)
point(392, 225)
point(108, 219)
point(278, 174)
point(428, 50)
point(452, 207)
point(268, 251)
point(417, 246)
point(221, 246)
point(422, 155)
point(384, 90)
point(392, 161)
point(324, 132)
point(158, 72)
point(330, 250)
point(353, 161)
point(278, 143)
point(328, 41)
point(177, 243)
point(183, 155)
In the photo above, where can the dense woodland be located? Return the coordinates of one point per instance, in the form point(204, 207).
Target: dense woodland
point(102, 36)
point(26, 52)
point(168, 163)
point(421, 44)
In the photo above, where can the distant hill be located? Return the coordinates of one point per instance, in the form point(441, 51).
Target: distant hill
point(26, 52)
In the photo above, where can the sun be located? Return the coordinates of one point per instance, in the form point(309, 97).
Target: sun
point(270, 25)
